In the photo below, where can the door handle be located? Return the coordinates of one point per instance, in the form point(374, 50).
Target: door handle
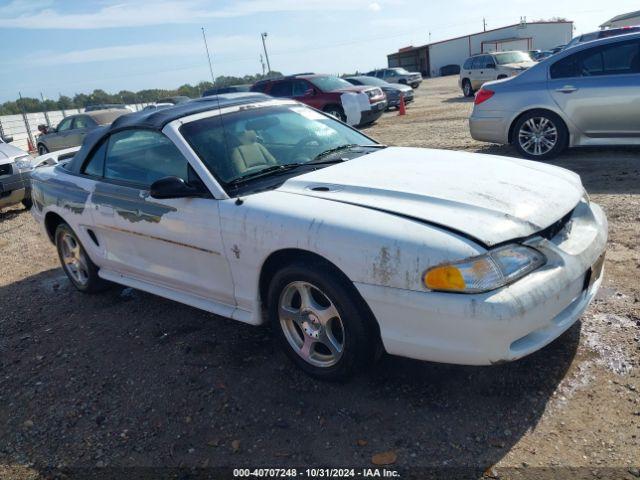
point(567, 89)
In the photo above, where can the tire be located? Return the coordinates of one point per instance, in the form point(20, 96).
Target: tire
point(336, 336)
point(42, 149)
point(27, 203)
point(77, 265)
point(537, 126)
point(336, 111)
point(467, 90)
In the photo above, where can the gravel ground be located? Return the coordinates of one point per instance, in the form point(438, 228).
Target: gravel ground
point(127, 379)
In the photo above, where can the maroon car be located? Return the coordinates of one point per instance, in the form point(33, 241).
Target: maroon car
point(323, 92)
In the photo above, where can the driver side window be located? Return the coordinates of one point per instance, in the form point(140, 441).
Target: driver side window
point(141, 157)
point(65, 124)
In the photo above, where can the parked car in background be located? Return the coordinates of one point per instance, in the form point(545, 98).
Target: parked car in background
point(324, 92)
point(612, 32)
point(227, 89)
point(398, 75)
point(485, 67)
point(71, 131)
point(586, 95)
point(107, 106)
point(267, 211)
point(15, 165)
point(391, 90)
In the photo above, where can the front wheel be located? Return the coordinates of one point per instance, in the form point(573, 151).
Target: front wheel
point(540, 135)
point(319, 321)
point(337, 112)
point(79, 268)
point(42, 149)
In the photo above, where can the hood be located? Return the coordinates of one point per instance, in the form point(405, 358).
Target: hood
point(355, 88)
point(397, 88)
point(492, 199)
point(8, 151)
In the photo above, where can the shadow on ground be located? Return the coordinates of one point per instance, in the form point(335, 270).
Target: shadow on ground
point(125, 378)
point(608, 170)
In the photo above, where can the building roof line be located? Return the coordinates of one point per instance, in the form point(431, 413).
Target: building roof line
point(474, 34)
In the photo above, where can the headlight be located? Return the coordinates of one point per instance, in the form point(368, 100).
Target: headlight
point(23, 163)
point(492, 270)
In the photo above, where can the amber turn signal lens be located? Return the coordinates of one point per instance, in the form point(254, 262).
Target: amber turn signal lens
point(446, 277)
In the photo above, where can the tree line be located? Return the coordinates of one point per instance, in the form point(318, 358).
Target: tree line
point(98, 96)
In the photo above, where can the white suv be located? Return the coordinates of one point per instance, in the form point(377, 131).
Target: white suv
point(15, 165)
point(487, 67)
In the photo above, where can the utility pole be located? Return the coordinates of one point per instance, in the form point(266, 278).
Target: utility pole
point(484, 24)
point(206, 47)
point(266, 55)
point(262, 64)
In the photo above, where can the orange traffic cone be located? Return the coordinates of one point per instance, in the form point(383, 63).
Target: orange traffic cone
point(30, 145)
point(402, 107)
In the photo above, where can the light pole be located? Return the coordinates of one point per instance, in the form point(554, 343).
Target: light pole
point(206, 47)
point(266, 55)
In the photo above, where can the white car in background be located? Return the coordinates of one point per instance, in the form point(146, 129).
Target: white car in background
point(237, 202)
point(15, 165)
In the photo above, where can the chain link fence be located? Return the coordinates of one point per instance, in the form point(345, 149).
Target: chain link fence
point(24, 127)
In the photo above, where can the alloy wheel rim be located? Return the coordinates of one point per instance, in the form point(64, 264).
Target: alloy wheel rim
point(538, 136)
point(311, 324)
point(73, 259)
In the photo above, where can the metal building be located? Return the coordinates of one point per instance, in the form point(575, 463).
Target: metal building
point(429, 59)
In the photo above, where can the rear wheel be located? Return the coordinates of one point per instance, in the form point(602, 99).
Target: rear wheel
point(466, 88)
point(42, 149)
point(336, 111)
point(27, 203)
point(319, 322)
point(82, 272)
point(540, 135)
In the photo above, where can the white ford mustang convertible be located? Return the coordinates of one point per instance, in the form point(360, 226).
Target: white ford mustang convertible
point(266, 210)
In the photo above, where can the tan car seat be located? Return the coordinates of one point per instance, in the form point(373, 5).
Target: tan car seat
point(249, 153)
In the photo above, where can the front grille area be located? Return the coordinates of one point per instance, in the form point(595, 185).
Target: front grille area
point(6, 169)
point(555, 228)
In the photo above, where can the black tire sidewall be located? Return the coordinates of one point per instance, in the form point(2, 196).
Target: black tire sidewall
point(95, 283)
point(360, 338)
point(337, 112)
point(466, 93)
point(563, 135)
point(42, 149)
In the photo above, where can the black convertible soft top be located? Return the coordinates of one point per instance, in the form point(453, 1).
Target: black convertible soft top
point(157, 119)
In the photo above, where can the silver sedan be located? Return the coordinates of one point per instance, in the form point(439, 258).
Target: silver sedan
point(588, 95)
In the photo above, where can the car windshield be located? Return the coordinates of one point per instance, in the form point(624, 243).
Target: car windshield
point(329, 83)
point(512, 57)
point(372, 81)
point(242, 144)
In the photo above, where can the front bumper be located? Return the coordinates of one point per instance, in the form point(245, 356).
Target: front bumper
point(489, 126)
point(505, 324)
point(13, 189)
point(370, 116)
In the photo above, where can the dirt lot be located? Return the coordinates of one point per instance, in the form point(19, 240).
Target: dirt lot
point(130, 379)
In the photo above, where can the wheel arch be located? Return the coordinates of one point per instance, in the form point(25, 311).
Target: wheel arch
point(280, 258)
point(51, 222)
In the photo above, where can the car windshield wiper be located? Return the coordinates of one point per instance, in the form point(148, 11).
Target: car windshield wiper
point(339, 148)
point(266, 172)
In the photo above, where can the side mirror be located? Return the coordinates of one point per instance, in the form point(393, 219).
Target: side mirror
point(174, 187)
point(7, 139)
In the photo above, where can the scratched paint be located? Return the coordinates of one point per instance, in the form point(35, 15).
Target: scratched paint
point(128, 204)
point(62, 193)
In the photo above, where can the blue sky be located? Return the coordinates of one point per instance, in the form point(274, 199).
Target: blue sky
point(69, 46)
